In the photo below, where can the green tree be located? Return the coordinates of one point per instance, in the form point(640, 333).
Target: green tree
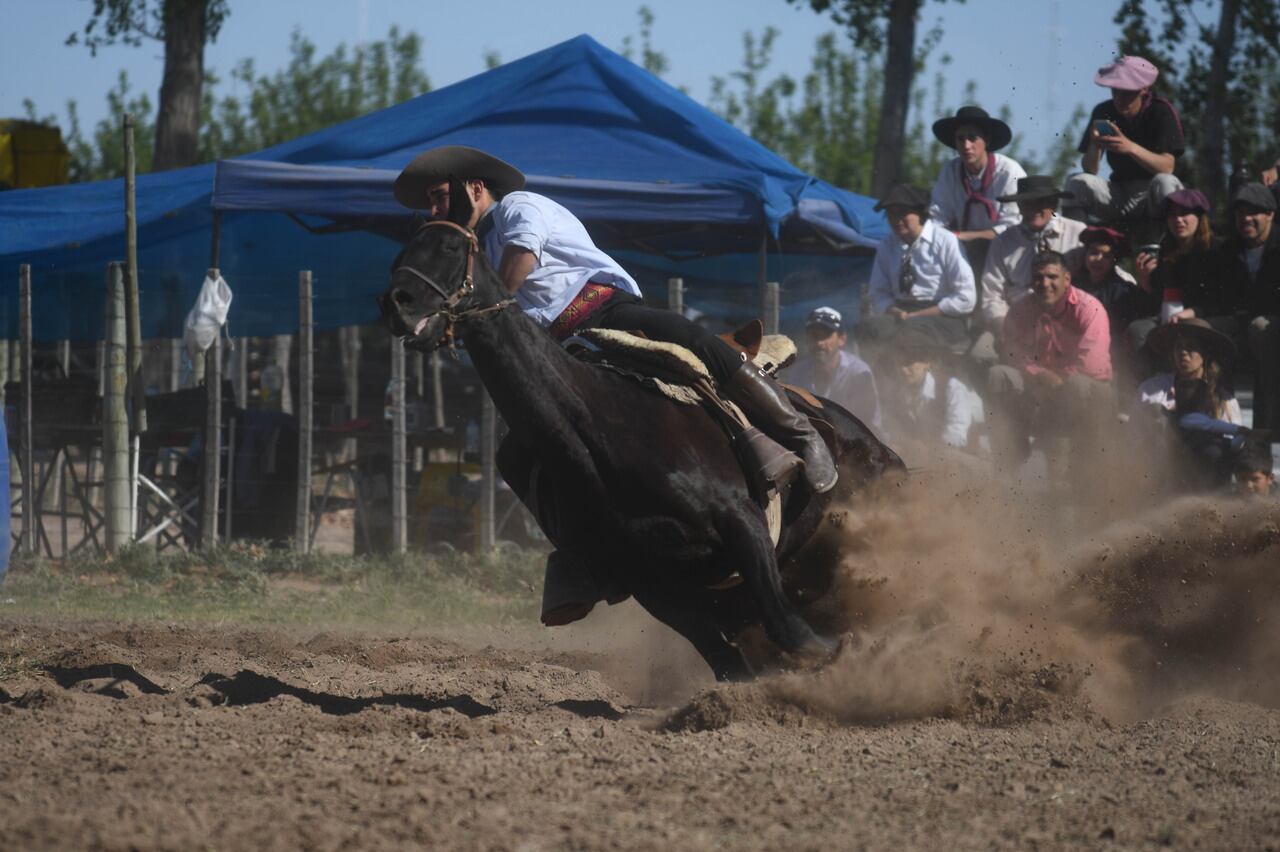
point(650, 59)
point(184, 26)
point(891, 25)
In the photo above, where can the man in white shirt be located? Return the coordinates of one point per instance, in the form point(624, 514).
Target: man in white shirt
point(919, 278)
point(966, 196)
point(561, 280)
point(1006, 277)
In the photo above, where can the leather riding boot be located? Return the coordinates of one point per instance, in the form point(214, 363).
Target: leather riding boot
point(766, 403)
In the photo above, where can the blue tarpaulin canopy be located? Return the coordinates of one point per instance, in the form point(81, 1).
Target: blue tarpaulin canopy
point(649, 170)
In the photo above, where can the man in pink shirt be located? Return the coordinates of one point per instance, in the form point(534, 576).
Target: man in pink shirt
point(1055, 381)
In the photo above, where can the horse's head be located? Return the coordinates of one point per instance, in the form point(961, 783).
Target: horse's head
point(433, 278)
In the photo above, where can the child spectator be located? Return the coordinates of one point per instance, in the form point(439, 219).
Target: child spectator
point(832, 372)
point(965, 197)
point(1141, 136)
point(1254, 470)
point(1107, 282)
point(930, 403)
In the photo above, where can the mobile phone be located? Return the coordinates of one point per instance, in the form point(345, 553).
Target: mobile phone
point(1104, 128)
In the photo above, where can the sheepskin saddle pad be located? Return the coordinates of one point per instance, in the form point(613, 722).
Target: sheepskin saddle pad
point(674, 370)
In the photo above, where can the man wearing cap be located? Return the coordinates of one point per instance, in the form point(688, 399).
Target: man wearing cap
point(1055, 379)
point(1141, 136)
point(562, 281)
point(919, 277)
point(1006, 276)
point(1248, 262)
point(965, 197)
point(834, 373)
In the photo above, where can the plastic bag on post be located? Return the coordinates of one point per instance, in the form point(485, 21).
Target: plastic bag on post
point(207, 316)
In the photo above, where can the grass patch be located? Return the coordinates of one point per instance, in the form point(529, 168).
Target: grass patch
point(251, 583)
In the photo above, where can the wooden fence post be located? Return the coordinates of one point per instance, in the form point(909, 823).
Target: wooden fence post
point(28, 450)
point(115, 417)
point(133, 311)
point(675, 295)
point(488, 469)
point(306, 414)
point(772, 307)
point(399, 508)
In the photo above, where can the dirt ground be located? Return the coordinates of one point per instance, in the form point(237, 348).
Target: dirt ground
point(1124, 695)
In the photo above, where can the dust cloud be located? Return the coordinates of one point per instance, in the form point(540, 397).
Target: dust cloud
point(964, 595)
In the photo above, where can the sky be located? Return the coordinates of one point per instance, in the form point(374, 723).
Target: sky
point(1038, 56)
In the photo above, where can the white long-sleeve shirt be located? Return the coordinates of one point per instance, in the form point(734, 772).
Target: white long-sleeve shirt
point(948, 200)
point(943, 275)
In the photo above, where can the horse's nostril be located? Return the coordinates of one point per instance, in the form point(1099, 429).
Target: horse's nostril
point(401, 297)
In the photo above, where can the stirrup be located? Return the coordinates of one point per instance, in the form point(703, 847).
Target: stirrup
point(767, 461)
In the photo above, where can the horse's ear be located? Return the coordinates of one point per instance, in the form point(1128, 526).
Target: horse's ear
point(460, 206)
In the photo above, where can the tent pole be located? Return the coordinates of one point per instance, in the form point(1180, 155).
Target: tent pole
point(133, 319)
point(215, 242)
point(211, 474)
point(28, 539)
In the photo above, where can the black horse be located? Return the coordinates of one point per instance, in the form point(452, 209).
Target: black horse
point(649, 489)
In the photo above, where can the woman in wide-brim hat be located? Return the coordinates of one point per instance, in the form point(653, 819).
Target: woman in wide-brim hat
point(1194, 352)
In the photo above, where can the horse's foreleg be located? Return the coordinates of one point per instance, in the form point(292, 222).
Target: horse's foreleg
point(680, 610)
point(747, 540)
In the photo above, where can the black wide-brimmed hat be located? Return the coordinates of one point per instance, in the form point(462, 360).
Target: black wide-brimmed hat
point(453, 161)
point(1035, 188)
point(1212, 342)
point(995, 131)
point(905, 195)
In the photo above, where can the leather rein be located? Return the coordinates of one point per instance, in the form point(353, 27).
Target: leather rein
point(452, 300)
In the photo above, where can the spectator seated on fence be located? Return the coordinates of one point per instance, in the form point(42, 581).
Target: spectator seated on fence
point(928, 401)
point(965, 197)
point(1141, 135)
point(1249, 264)
point(1115, 288)
point(1006, 276)
point(1254, 470)
point(920, 278)
point(1178, 275)
point(831, 371)
point(1195, 397)
point(1055, 379)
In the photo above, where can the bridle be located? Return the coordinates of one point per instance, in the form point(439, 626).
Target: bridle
point(452, 300)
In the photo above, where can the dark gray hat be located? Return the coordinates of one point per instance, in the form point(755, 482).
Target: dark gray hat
point(453, 161)
point(1255, 195)
point(1035, 188)
point(905, 195)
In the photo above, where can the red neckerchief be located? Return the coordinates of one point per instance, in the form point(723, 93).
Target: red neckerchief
point(979, 197)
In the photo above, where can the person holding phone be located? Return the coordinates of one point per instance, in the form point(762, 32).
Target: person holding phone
point(1140, 134)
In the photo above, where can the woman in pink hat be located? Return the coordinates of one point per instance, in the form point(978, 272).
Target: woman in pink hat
point(1141, 136)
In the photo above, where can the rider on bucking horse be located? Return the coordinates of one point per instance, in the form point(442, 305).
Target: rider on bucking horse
point(559, 278)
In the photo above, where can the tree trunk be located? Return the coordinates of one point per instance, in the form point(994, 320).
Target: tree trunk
point(178, 117)
point(1213, 149)
point(899, 70)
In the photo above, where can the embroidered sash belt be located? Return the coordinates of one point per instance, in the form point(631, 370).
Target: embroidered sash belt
point(592, 298)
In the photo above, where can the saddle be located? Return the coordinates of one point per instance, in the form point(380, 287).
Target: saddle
point(678, 374)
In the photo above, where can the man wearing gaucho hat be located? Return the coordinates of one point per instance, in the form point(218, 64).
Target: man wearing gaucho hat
point(562, 281)
point(965, 197)
point(1141, 136)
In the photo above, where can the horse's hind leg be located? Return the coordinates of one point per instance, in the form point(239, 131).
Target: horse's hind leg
point(680, 610)
point(751, 550)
